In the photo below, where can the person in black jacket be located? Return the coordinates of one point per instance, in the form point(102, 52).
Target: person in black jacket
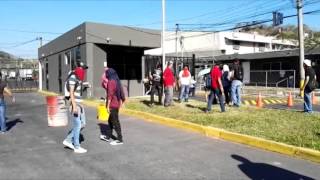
point(308, 85)
point(156, 79)
point(237, 77)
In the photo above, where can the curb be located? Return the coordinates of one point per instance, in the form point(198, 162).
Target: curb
point(299, 152)
point(208, 131)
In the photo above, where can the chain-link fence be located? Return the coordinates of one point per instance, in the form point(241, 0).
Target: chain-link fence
point(273, 78)
point(20, 79)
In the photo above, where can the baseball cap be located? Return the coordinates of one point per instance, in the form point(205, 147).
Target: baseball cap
point(84, 66)
point(307, 62)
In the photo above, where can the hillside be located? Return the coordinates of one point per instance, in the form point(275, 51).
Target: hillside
point(312, 37)
point(7, 56)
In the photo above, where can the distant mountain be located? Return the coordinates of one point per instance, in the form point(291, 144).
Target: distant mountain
point(7, 56)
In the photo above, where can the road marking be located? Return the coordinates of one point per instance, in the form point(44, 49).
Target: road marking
point(266, 101)
point(273, 101)
point(279, 101)
point(246, 102)
point(253, 102)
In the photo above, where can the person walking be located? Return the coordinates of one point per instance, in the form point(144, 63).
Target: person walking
point(168, 82)
point(216, 88)
point(184, 81)
point(116, 98)
point(226, 83)
point(237, 77)
point(73, 92)
point(4, 90)
point(156, 78)
point(310, 84)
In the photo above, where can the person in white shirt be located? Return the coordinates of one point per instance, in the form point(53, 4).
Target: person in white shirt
point(185, 81)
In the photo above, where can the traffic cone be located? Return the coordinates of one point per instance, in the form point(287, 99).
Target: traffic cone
point(259, 101)
point(314, 99)
point(290, 101)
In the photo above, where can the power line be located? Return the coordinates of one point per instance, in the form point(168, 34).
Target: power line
point(33, 32)
point(244, 26)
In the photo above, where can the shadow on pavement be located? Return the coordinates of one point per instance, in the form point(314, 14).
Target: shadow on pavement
point(265, 171)
point(12, 123)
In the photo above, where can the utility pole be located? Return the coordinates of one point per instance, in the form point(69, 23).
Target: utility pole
point(40, 68)
point(163, 34)
point(301, 43)
point(177, 29)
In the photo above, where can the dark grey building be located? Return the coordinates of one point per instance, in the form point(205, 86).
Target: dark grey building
point(120, 47)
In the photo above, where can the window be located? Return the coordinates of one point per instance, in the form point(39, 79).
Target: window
point(67, 58)
point(78, 53)
point(236, 45)
point(262, 47)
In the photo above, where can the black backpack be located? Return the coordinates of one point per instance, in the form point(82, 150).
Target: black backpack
point(208, 81)
point(238, 72)
point(313, 84)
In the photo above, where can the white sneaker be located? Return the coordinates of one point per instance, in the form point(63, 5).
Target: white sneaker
point(116, 142)
point(68, 144)
point(104, 138)
point(80, 150)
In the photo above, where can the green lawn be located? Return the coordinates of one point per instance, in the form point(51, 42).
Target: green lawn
point(295, 128)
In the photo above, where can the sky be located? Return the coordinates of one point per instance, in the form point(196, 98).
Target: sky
point(22, 21)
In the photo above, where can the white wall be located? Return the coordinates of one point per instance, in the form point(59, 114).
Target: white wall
point(215, 42)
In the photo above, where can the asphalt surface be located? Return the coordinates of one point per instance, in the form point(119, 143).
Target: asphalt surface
point(32, 150)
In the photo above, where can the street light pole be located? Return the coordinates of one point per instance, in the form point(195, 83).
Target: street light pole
point(163, 34)
point(301, 43)
point(40, 68)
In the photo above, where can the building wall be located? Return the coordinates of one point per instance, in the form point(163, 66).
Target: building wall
point(100, 56)
point(217, 43)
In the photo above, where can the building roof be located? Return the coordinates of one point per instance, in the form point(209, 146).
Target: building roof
point(89, 32)
point(268, 55)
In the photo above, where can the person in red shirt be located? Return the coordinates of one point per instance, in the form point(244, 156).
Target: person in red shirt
point(216, 88)
point(115, 99)
point(168, 82)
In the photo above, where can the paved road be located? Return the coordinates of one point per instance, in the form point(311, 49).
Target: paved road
point(31, 150)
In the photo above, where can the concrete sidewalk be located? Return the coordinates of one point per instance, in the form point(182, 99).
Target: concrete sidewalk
point(32, 150)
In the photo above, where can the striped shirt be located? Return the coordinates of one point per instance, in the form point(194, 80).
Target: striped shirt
point(73, 80)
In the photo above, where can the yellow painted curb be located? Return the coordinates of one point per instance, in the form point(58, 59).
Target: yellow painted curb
point(47, 93)
point(282, 148)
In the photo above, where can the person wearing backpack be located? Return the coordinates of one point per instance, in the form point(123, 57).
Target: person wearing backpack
point(156, 79)
point(73, 93)
point(226, 82)
point(237, 77)
point(310, 84)
point(216, 88)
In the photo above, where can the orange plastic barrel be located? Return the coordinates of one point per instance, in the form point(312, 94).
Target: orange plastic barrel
point(57, 111)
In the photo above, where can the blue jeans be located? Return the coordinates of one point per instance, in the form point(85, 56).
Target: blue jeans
point(213, 93)
point(307, 105)
point(235, 92)
point(78, 122)
point(184, 92)
point(3, 115)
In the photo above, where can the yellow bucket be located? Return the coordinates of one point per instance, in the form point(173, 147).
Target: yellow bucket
point(102, 113)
